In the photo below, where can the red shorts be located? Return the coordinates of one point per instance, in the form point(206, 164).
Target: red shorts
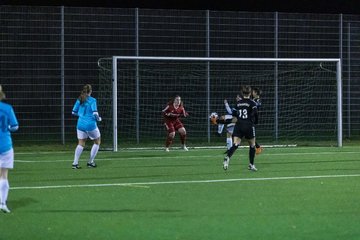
point(171, 126)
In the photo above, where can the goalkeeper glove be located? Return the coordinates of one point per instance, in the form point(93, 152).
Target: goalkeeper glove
point(97, 117)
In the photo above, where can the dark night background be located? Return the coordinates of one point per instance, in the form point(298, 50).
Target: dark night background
point(300, 6)
point(81, 53)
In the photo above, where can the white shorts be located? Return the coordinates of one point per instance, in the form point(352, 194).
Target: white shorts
point(7, 159)
point(230, 128)
point(94, 134)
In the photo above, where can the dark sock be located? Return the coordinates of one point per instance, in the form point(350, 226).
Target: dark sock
point(251, 154)
point(231, 151)
point(224, 121)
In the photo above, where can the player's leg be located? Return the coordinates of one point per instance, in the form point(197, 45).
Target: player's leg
point(230, 152)
point(169, 140)
point(82, 136)
point(229, 135)
point(6, 163)
point(94, 150)
point(252, 154)
point(222, 119)
point(229, 140)
point(182, 132)
point(220, 128)
point(235, 146)
point(4, 190)
point(251, 141)
point(170, 130)
point(95, 136)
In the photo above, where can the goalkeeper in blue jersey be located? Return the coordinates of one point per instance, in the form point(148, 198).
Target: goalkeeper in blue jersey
point(86, 109)
point(8, 123)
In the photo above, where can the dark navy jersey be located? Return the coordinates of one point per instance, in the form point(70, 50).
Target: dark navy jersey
point(246, 111)
point(258, 103)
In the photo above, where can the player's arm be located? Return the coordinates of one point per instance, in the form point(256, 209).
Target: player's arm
point(95, 111)
point(75, 110)
point(227, 107)
point(173, 115)
point(235, 112)
point(255, 115)
point(97, 117)
point(13, 122)
point(167, 113)
point(185, 113)
point(258, 102)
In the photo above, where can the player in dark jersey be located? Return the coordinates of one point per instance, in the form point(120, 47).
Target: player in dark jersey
point(172, 113)
point(246, 114)
point(230, 121)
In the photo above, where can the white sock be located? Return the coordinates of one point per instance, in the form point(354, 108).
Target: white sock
point(220, 128)
point(4, 190)
point(229, 143)
point(78, 150)
point(94, 151)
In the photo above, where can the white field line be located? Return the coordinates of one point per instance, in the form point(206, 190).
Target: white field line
point(156, 149)
point(146, 184)
point(20, 160)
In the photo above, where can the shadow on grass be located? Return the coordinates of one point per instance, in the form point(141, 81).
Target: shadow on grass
point(126, 210)
point(22, 202)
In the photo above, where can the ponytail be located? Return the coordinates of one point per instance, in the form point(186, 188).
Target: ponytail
point(84, 93)
point(2, 94)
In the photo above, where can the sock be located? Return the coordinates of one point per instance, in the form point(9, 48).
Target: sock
point(220, 128)
point(183, 138)
point(94, 151)
point(4, 190)
point(257, 145)
point(231, 151)
point(251, 154)
point(168, 142)
point(78, 150)
point(229, 142)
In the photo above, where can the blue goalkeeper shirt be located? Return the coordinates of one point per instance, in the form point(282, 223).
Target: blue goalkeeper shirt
point(85, 111)
point(8, 123)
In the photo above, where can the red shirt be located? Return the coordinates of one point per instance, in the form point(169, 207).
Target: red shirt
point(171, 113)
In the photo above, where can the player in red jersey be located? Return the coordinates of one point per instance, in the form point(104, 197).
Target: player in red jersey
point(172, 113)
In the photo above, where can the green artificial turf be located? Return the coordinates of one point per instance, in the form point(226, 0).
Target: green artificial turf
point(298, 193)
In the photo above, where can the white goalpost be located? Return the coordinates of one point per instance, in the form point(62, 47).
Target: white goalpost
point(302, 97)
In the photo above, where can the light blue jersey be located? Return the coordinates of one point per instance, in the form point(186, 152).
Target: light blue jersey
point(8, 122)
point(85, 111)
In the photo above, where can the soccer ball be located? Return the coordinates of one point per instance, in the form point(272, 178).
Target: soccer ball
point(213, 117)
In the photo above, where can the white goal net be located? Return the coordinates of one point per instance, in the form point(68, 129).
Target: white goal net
point(301, 98)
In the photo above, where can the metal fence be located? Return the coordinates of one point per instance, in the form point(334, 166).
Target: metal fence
point(48, 53)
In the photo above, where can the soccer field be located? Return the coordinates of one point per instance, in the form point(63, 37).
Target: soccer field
point(298, 193)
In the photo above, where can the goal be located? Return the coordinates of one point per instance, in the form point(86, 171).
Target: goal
point(301, 98)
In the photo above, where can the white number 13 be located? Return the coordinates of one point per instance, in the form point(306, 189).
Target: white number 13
point(243, 114)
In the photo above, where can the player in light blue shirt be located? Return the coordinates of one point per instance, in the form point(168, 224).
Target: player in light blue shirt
point(85, 108)
point(8, 123)
point(86, 113)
